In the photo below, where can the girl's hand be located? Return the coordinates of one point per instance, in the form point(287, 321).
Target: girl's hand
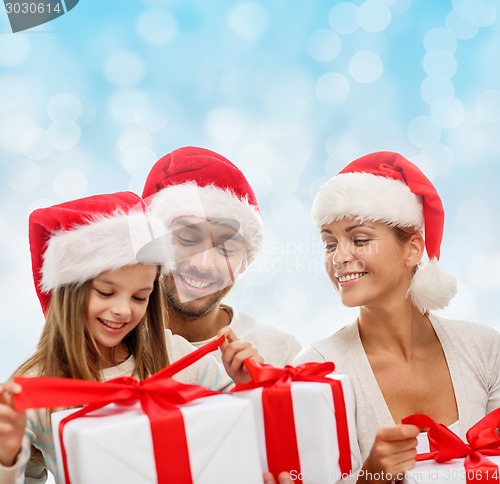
point(234, 352)
point(283, 478)
point(12, 425)
point(392, 453)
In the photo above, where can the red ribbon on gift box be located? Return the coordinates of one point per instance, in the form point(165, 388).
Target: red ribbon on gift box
point(279, 424)
point(159, 395)
point(482, 440)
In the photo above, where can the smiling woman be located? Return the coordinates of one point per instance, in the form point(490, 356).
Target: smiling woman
point(377, 218)
point(370, 251)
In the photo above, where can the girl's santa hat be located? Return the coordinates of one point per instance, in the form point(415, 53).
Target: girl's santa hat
point(386, 187)
point(75, 241)
point(199, 182)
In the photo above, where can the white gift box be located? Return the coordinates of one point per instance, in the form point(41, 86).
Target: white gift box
point(452, 472)
point(316, 429)
point(114, 444)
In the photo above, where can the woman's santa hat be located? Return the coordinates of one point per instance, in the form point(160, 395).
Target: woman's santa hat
point(199, 182)
point(75, 241)
point(386, 187)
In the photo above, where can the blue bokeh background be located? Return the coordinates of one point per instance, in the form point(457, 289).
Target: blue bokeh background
point(290, 91)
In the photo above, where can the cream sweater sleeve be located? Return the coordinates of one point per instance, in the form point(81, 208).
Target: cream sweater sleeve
point(206, 372)
point(17, 474)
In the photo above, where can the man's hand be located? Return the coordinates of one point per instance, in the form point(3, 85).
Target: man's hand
point(234, 352)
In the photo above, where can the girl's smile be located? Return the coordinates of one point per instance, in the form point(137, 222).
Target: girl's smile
point(117, 303)
point(112, 326)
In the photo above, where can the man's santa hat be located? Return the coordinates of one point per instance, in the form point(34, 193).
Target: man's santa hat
point(193, 181)
point(386, 187)
point(75, 241)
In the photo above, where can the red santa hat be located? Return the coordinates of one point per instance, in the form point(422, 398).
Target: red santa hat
point(199, 182)
point(75, 241)
point(386, 187)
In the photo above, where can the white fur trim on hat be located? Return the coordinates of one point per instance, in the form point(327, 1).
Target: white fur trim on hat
point(367, 197)
point(189, 199)
point(104, 244)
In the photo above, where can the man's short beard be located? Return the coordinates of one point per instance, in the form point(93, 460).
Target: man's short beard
point(192, 309)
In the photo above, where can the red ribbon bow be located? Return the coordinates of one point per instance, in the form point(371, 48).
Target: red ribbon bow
point(159, 397)
point(281, 437)
point(482, 440)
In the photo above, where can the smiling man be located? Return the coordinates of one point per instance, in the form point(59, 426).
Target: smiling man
point(215, 231)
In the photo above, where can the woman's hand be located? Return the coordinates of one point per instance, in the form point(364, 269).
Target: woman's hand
point(392, 453)
point(12, 425)
point(234, 352)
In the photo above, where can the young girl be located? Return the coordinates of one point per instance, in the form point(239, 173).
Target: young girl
point(96, 263)
point(376, 218)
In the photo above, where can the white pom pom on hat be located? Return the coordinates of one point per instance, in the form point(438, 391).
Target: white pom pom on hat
point(386, 187)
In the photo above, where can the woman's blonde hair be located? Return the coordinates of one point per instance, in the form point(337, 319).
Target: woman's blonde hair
point(67, 350)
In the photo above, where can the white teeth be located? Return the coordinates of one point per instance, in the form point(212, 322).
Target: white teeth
point(350, 277)
point(196, 284)
point(112, 325)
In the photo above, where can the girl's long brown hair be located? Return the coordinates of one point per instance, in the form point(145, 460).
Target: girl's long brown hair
point(67, 350)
